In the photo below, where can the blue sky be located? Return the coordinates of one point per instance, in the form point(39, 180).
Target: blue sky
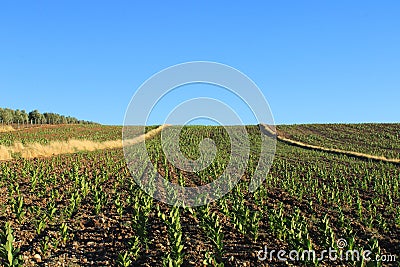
point(315, 61)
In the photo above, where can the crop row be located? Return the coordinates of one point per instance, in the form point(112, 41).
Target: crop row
point(369, 138)
point(85, 208)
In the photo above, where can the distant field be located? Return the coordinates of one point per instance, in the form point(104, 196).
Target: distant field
point(84, 209)
point(46, 133)
point(375, 139)
point(50, 140)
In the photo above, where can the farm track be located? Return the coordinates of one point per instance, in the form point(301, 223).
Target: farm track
point(358, 155)
point(35, 150)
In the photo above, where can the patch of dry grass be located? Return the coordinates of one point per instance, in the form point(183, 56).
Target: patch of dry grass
point(34, 150)
point(6, 128)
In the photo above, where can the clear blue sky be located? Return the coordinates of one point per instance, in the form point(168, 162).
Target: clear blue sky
point(315, 61)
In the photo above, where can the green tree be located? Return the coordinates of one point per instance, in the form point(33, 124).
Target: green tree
point(20, 116)
point(25, 116)
point(7, 115)
point(36, 117)
point(63, 119)
point(14, 116)
point(52, 118)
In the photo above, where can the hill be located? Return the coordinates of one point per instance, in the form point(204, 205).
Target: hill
point(371, 138)
point(86, 209)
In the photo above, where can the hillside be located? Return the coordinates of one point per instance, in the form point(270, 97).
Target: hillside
point(49, 140)
point(375, 139)
point(85, 209)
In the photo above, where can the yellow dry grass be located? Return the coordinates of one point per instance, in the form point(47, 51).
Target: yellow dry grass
point(6, 128)
point(34, 150)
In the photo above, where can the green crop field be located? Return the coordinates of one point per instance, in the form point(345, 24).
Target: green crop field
point(85, 209)
point(372, 138)
point(47, 133)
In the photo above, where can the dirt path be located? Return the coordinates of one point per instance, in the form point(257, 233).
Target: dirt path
point(267, 130)
point(34, 150)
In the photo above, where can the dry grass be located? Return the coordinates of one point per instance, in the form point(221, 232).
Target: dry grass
point(6, 128)
point(35, 150)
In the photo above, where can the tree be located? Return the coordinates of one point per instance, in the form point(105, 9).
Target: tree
point(25, 117)
point(63, 119)
point(7, 115)
point(36, 117)
point(14, 116)
point(20, 116)
point(52, 118)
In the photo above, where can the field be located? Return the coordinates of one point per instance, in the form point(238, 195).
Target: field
point(85, 209)
point(49, 140)
point(370, 138)
point(46, 133)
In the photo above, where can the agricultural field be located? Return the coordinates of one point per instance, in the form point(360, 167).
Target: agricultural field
point(370, 138)
point(85, 209)
point(46, 133)
point(50, 140)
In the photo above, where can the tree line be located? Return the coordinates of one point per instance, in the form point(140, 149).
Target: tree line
point(10, 116)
